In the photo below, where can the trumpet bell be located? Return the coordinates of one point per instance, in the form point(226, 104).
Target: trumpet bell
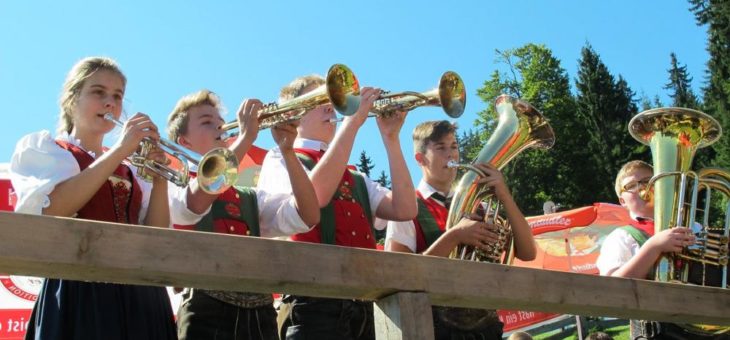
point(217, 171)
point(452, 94)
point(343, 89)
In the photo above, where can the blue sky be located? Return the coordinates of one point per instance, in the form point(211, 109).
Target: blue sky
point(243, 49)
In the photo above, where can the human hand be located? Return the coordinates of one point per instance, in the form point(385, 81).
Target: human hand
point(390, 125)
point(248, 118)
point(137, 128)
point(494, 179)
point(284, 135)
point(672, 240)
point(472, 231)
point(368, 95)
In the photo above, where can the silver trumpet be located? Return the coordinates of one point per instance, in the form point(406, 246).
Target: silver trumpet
point(217, 169)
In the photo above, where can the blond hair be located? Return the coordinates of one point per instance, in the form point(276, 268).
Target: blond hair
point(177, 121)
point(75, 80)
point(520, 336)
point(298, 86)
point(629, 168)
point(431, 131)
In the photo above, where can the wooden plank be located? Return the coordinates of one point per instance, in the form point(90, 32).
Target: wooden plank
point(88, 250)
point(403, 316)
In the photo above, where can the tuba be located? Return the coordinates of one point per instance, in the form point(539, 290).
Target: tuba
point(519, 127)
point(674, 134)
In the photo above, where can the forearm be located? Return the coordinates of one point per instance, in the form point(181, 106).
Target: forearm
point(524, 242)
point(444, 245)
point(69, 196)
point(158, 213)
point(241, 145)
point(198, 201)
point(639, 266)
point(327, 174)
point(403, 193)
point(304, 194)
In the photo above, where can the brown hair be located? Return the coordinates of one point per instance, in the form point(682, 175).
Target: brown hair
point(431, 131)
point(298, 86)
point(177, 121)
point(628, 168)
point(75, 80)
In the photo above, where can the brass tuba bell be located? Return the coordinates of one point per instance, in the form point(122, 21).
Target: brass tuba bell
point(519, 127)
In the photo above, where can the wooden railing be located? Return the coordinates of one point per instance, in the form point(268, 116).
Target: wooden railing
point(404, 286)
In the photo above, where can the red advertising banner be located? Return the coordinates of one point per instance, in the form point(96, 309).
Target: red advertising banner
point(13, 323)
point(513, 319)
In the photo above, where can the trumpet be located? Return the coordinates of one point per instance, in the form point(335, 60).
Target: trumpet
point(450, 95)
point(217, 169)
point(341, 89)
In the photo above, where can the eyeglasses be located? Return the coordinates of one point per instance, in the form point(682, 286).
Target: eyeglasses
point(634, 187)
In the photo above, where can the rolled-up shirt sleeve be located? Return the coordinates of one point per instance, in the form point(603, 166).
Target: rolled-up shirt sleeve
point(617, 249)
point(278, 214)
point(180, 214)
point(37, 166)
point(403, 233)
point(376, 193)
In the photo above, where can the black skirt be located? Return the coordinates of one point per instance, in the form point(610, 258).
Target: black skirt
point(88, 310)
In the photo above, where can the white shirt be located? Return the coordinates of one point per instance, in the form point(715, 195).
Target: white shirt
point(278, 214)
point(39, 164)
point(274, 177)
point(405, 232)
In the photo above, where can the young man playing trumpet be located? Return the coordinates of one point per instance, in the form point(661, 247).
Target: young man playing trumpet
point(350, 202)
point(195, 124)
point(435, 145)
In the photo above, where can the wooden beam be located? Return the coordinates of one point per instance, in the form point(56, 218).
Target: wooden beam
point(87, 250)
point(403, 315)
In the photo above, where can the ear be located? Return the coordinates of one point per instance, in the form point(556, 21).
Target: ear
point(181, 140)
point(622, 201)
point(420, 159)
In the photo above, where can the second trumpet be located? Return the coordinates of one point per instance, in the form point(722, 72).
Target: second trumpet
point(217, 169)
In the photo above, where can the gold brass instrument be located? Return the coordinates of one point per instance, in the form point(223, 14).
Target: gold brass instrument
point(519, 127)
point(217, 169)
point(450, 95)
point(341, 89)
point(674, 135)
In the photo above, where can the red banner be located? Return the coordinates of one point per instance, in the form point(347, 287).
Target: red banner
point(13, 323)
point(514, 319)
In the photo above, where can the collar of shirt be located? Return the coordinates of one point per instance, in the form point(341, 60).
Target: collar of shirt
point(427, 190)
point(638, 218)
point(66, 137)
point(303, 143)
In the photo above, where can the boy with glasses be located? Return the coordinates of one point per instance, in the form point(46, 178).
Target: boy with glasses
point(631, 251)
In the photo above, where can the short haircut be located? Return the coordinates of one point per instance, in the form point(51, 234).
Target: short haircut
point(520, 336)
point(298, 86)
point(628, 168)
point(431, 131)
point(177, 121)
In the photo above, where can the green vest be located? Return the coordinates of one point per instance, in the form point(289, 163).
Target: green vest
point(249, 208)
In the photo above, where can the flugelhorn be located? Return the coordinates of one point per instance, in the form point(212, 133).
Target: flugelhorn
point(450, 95)
point(217, 169)
point(674, 134)
point(341, 89)
point(520, 126)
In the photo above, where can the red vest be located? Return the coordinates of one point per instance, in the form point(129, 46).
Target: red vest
point(437, 212)
point(352, 226)
point(113, 202)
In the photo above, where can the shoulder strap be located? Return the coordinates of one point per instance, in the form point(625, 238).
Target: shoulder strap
point(248, 206)
point(639, 235)
point(431, 230)
point(327, 214)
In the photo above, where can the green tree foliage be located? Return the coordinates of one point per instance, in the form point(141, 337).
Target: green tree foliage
point(383, 179)
point(716, 15)
point(680, 85)
point(535, 75)
point(365, 164)
point(605, 106)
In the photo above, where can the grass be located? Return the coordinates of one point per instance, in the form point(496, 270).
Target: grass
point(618, 333)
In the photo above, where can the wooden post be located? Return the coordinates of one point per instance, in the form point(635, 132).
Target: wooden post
point(403, 316)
